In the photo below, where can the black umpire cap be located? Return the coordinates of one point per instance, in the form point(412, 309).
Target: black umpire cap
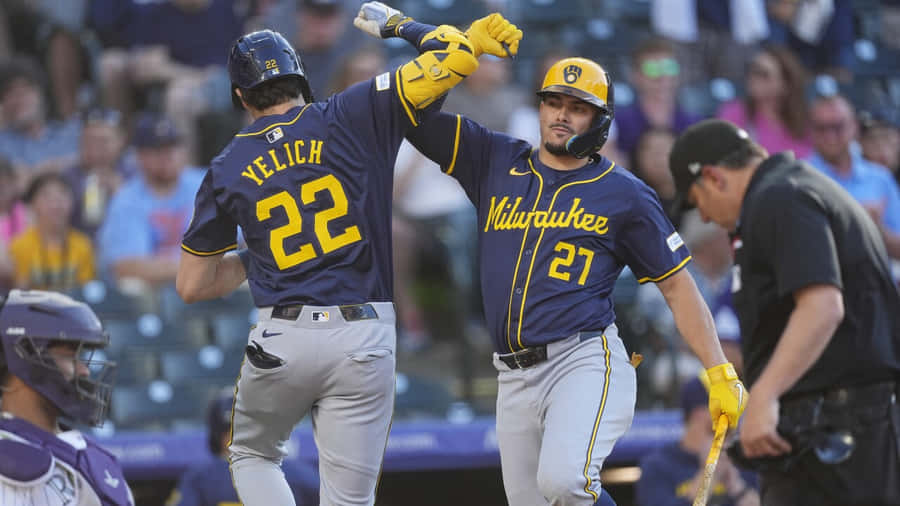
point(708, 142)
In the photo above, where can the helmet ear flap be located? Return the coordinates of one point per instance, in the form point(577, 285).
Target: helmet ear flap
point(591, 141)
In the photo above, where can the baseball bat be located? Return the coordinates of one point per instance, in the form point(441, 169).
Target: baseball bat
point(711, 460)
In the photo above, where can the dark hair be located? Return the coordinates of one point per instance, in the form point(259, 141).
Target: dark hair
point(20, 67)
point(43, 180)
point(273, 92)
point(792, 111)
point(743, 156)
point(650, 46)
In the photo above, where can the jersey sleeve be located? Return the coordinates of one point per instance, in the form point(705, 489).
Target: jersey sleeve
point(793, 232)
point(647, 241)
point(211, 231)
point(463, 148)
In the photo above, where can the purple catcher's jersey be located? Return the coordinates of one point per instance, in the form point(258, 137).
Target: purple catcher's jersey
point(552, 243)
point(38, 468)
point(311, 191)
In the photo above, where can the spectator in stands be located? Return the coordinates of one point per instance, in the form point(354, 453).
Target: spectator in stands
point(147, 216)
point(29, 140)
point(834, 128)
point(13, 220)
point(99, 171)
point(364, 63)
point(487, 96)
point(820, 33)
point(49, 31)
point(323, 34)
point(879, 137)
point(650, 162)
point(654, 74)
point(185, 60)
point(50, 255)
point(714, 38)
point(728, 327)
point(671, 475)
point(774, 109)
point(209, 483)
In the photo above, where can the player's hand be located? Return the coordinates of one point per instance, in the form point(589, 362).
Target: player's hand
point(759, 432)
point(726, 394)
point(493, 34)
point(379, 20)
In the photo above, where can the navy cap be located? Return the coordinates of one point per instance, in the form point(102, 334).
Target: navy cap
point(693, 396)
point(708, 142)
point(154, 130)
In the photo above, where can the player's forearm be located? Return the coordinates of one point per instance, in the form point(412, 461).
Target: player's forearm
point(203, 278)
point(413, 31)
point(692, 317)
point(818, 312)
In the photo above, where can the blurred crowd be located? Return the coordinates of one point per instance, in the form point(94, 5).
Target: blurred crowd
point(111, 109)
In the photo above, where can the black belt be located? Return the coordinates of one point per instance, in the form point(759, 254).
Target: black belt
point(350, 312)
point(536, 354)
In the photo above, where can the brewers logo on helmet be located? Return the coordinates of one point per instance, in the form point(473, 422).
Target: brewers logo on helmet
point(585, 80)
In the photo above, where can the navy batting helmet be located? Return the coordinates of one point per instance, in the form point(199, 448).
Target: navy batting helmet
point(32, 322)
point(258, 57)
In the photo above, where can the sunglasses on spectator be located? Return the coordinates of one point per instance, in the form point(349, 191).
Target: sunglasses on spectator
point(660, 67)
point(836, 127)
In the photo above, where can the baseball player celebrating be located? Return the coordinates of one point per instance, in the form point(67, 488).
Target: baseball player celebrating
point(310, 183)
point(46, 373)
point(557, 225)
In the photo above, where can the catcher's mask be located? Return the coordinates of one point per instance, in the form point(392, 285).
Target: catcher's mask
point(585, 80)
point(36, 327)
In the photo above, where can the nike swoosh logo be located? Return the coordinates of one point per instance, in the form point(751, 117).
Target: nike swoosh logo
point(266, 333)
point(515, 172)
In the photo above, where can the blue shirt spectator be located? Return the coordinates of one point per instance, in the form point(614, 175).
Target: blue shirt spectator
point(196, 35)
point(141, 237)
point(28, 139)
point(869, 183)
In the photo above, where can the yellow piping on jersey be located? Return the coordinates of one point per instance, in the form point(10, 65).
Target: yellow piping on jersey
point(512, 289)
point(208, 253)
point(399, 81)
point(455, 145)
point(273, 125)
point(664, 276)
point(590, 450)
point(538, 245)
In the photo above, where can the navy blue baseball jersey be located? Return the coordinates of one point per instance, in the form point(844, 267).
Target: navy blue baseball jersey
point(311, 191)
point(552, 243)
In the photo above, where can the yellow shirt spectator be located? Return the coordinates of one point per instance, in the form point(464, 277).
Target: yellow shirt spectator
point(47, 267)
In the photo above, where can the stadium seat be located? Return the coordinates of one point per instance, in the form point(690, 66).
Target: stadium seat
point(230, 330)
point(159, 403)
point(137, 366)
point(418, 397)
point(109, 302)
point(208, 363)
point(150, 331)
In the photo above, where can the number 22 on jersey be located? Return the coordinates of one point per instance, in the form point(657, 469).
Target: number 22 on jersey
point(327, 242)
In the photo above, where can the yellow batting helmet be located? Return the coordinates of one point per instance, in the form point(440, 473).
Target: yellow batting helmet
point(580, 78)
point(586, 80)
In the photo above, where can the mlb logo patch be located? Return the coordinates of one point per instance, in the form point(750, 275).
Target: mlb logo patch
point(320, 316)
point(274, 135)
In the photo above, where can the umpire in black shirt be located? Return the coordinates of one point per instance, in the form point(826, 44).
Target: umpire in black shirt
point(820, 320)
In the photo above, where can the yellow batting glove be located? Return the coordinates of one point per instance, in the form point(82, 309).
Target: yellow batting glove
point(726, 394)
point(490, 33)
